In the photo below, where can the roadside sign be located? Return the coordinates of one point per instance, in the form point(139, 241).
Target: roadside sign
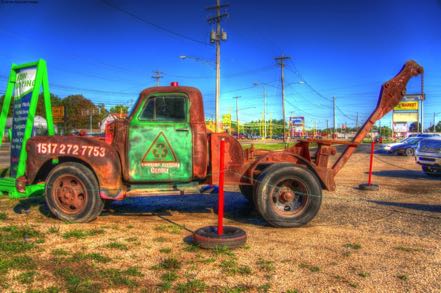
point(226, 121)
point(58, 114)
point(407, 106)
point(23, 89)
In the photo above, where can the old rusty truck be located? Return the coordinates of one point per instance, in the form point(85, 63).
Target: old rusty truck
point(164, 144)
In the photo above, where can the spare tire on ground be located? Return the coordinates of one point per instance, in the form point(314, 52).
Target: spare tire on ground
point(207, 237)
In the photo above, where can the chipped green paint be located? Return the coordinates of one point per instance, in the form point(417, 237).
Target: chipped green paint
point(160, 151)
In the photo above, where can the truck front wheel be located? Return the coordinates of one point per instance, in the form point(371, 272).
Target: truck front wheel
point(72, 193)
point(288, 195)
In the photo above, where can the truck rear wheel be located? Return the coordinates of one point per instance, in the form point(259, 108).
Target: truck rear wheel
point(288, 195)
point(247, 191)
point(72, 193)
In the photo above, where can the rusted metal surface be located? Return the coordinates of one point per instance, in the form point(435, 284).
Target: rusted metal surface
point(96, 154)
point(392, 92)
point(244, 166)
point(70, 194)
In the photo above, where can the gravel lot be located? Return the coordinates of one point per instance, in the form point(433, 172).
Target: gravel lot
point(360, 241)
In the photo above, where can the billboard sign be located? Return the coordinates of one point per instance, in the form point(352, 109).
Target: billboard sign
point(407, 106)
point(22, 97)
point(405, 117)
point(400, 127)
point(226, 121)
point(58, 114)
point(297, 120)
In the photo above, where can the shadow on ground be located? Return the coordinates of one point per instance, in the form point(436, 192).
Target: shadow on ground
point(413, 206)
point(237, 208)
point(409, 174)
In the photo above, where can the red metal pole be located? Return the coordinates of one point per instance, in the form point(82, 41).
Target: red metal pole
point(220, 207)
point(371, 162)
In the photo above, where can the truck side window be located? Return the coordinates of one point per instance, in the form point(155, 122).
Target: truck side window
point(164, 108)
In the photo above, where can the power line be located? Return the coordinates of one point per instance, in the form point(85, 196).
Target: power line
point(158, 27)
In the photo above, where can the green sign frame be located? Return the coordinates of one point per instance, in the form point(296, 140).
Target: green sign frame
point(7, 183)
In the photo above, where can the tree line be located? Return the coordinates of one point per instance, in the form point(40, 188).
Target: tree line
point(77, 111)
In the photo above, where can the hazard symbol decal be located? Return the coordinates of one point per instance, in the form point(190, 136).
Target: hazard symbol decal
point(160, 156)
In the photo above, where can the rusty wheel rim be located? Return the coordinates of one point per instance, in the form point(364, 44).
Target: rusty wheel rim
point(289, 197)
point(70, 194)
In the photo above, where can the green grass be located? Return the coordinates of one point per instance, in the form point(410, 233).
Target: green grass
point(81, 234)
point(311, 268)
point(59, 252)
point(3, 216)
point(97, 257)
point(355, 246)
point(265, 265)
point(267, 146)
point(165, 250)
point(170, 263)
point(160, 239)
point(18, 239)
point(223, 250)
point(53, 230)
point(403, 277)
point(363, 274)
point(169, 228)
point(78, 279)
point(169, 277)
point(117, 245)
point(191, 286)
point(26, 277)
point(407, 249)
point(45, 290)
point(87, 278)
point(264, 288)
point(119, 277)
point(231, 267)
point(192, 247)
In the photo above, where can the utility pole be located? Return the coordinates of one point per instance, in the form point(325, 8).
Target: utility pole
point(271, 125)
point(281, 61)
point(264, 112)
point(157, 75)
point(237, 116)
point(333, 114)
point(327, 125)
point(216, 37)
point(356, 122)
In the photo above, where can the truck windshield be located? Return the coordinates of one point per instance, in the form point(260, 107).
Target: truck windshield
point(164, 108)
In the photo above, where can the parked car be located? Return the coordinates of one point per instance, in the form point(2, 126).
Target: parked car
point(428, 155)
point(408, 145)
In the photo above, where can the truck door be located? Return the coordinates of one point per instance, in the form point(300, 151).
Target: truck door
point(160, 140)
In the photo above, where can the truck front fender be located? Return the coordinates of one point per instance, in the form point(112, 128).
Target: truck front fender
point(94, 153)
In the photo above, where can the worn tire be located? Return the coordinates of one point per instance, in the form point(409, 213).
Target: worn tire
point(72, 193)
point(409, 152)
point(430, 172)
point(247, 191)
point(280, 187)
point(207, 237)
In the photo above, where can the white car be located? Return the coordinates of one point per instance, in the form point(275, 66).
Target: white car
point(428, 155)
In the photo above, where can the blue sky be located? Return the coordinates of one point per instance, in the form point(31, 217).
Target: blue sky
point(341, 48)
